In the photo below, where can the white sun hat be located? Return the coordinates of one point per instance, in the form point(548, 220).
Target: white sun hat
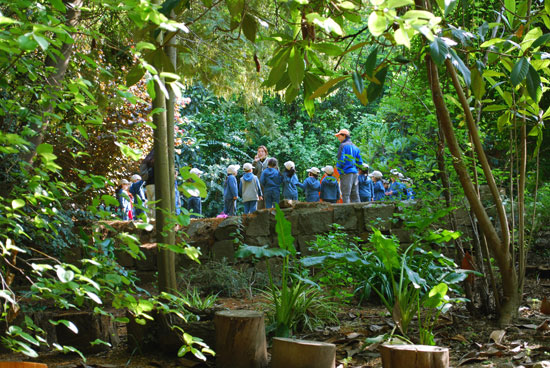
point(233, 169)
point(135, 178)
point(313, 170)
point(247, 167)
point(376, 174)
point(289, 165)
point(196, 171)
point(328, 169)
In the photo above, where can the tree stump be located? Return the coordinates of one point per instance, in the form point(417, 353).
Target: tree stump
point(240, 339)
point(414, 356)
point(22, 365)
point(292, 353)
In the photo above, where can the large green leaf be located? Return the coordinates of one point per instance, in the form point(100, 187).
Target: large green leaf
point(439, 50)
point(371, 62)
point(246, 251)
point(235, 8)
point(478, 84)
point(327, 48)
point(541, 40)
point(510, 6)
point(519, 72)
point(134, 75)
point(534, 87)
point(321, 91)
point(462, 68)
point(296, 67)
point(377, 23)
point(283, 227)
point(250, 27)
point(374, 89)
point(357, 81)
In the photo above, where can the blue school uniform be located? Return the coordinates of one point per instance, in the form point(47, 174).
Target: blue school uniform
point(366, 188)
point(137, 189)
point(398, 190)
point(125, 204)
point(378, 190)
point(230, 191)
point(271, 181)
point(330, 190)
point(290, 187)
point(311, 187)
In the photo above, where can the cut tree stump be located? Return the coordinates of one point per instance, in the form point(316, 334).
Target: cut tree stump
point(240, 339)
point(414, 356)
point(292, 353)
point(22, 365)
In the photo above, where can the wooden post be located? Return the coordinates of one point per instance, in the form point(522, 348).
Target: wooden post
point(240, 339)
point(292, 353)
point(414, 356)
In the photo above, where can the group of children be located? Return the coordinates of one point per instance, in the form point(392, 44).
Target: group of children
point(251, 189)
point(327, 189)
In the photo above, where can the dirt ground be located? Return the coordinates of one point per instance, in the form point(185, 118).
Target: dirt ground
point(473, 341)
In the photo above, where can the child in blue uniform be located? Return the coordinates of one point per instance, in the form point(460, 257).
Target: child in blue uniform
point(290, 182)
point(311, 185)
point(271, 181)
point(230, 191)
point(378, 188)
point(330, 188)
point(249, 189)
point(396, 190)
point(137, 189)
point(366, 189)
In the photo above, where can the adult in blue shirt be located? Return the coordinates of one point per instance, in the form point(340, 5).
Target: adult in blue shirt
point(137, 189)
point(348, 160)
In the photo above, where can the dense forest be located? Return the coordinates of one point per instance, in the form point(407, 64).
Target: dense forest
point(452, 94)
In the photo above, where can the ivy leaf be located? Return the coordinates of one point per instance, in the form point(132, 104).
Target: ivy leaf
point(519, 72)
point(533, 84)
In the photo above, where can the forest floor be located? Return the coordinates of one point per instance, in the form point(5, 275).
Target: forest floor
point(473, 341)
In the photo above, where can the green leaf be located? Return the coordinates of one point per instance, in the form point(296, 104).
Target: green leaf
point(371, 62)
point(357, 81)
point(42, 42)
point(510, 6)
point(374, 89)
point(478, 84)
point(17, 203)
point(392, 4)
point(134, 154)
point(534, 87)
point(439, 50)
point(235, 8)
point(283, 227)
point(135, 75)
point(462, 68)
point(519, 72)
point(110, 200)
point(377, 24)
point(70, 325)
point(541, 40)
point(347, 5)
point(246, 251)
point(502, 121)
point(321, 91)
point(58, 5)
point(7, 20)
point(26, 43)
point(64, 275)
point(327, 48)
point(44, 148)
point(450, 5)
point(296, 67)
point(361, 94)
point(291, 94)
point(250, 27)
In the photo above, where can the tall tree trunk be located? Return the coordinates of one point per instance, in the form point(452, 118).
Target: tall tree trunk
point(498, 246)
point(59, 63)
point(522, 252)
point(164, 187)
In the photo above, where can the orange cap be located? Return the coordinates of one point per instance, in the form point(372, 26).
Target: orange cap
point(343, 132)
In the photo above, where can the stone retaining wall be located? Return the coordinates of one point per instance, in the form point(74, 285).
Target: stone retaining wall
point(216, 237)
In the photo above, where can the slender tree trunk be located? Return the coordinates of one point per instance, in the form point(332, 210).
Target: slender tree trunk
point(522, 252)
point(59, 63)
point(497, 245)
point(164, 189)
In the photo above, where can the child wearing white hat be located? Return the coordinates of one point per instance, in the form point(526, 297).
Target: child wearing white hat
point(194, 204)
point(250, 189)
point(377, 186)
point(290, 182)
point(311, 185)
point(330, 188)
point(231, 191)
